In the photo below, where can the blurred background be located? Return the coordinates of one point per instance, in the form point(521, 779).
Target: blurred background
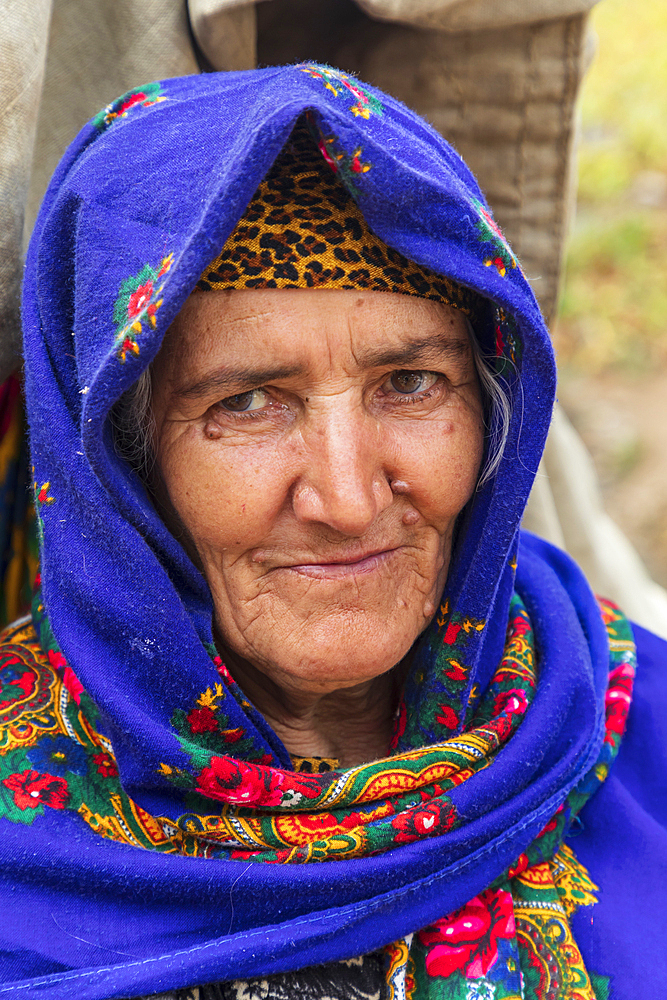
point(611, 332)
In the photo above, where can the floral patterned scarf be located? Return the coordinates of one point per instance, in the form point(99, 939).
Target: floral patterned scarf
point(511, 940)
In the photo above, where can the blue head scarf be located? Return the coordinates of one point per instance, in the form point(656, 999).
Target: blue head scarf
point(143, 200)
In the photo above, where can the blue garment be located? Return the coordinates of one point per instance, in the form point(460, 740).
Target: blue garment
point(622, 840)
point(170, 172)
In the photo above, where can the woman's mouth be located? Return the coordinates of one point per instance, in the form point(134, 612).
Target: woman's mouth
point(339, 568)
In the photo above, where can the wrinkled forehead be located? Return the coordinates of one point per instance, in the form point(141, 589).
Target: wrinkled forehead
point(280, 330)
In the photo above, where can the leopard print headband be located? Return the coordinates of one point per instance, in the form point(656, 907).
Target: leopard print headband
point(303, 229)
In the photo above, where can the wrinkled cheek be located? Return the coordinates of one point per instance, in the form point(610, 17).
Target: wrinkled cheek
point(459, 486)
point(224, 505)
point(442, 469)
point(440, 507)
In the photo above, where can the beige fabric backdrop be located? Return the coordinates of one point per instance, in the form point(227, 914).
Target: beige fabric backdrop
point(24, 32)
point(446, 15)
point(473, 15)
point(97, 50)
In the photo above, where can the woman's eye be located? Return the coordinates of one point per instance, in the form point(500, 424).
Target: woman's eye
point(254, 399)
point(408, 383)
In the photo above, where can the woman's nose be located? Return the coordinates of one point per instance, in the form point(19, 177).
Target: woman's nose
point(344, 484)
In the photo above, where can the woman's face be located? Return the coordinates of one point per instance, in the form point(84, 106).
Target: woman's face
point(315, 448)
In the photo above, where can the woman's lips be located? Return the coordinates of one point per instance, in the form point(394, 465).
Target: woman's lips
point(343, 567)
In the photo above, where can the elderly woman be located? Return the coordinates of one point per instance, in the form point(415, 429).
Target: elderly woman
point(297, 713)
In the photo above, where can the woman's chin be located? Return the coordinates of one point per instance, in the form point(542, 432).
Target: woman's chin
point(338, 652)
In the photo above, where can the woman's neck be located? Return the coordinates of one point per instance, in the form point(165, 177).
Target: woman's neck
point(351, 725)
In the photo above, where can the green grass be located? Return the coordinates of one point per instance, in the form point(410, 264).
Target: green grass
point(614, 305)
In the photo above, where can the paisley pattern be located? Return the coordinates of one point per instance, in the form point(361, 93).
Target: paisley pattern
point(265, 814)
point(513, 940)
point(367, 809)
point(507, 943)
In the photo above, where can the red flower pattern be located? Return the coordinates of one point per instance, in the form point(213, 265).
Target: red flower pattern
point(105, 764)
point(447, 717)
point(451, 633)
point(466, 940)
point(233, 735)
point(428, 820)
point(166, 264)
point(56, 659)
point(32, 789)
point(501, 726)
point(202, 720)
point(139, 299)
point(223, 671)
point(358, 167)
point(498, 263)
point(43, 494)
point(129, 345)
point(522, 863)
point(617, 700)
point(238, 782)
point(519, 625)
point(514, 702)
point(456, 672)
point(73, 684)
point(130, 102)
point(25, 681)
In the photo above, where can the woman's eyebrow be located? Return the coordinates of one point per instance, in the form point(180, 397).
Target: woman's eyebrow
point(227, 379)
point(223, 381)
point(432, 348)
